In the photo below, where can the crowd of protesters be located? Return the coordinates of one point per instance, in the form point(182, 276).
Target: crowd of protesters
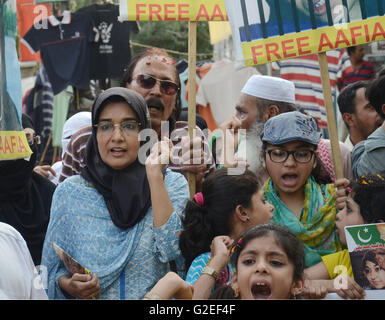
point(266, 221)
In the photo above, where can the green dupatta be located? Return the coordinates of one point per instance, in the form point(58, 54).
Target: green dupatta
point(316, 227)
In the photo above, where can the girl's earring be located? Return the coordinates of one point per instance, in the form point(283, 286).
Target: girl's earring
point(236, 292)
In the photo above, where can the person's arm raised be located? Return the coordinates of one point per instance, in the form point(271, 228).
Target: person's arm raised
point(161, 204)
point(220, 253)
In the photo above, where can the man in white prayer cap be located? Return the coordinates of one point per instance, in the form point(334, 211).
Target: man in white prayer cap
point(261, 98)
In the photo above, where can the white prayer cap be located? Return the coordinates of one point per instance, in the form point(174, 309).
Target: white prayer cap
point(271, 88)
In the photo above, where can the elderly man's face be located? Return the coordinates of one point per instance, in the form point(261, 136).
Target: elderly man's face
point(247, 110)
point(160, 105)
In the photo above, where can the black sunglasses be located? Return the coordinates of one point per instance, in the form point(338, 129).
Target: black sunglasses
point(148, 82)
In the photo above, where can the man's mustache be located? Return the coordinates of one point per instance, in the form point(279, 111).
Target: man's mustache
point(155, 102)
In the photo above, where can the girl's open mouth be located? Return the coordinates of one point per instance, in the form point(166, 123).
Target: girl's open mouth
point(261, 290)
point(289, 180)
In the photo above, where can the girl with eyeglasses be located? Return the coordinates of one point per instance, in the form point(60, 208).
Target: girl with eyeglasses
point(301, 203)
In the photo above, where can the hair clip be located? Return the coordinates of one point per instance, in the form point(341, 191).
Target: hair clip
point(348, 189)
point(198, 197)
point(238, 244)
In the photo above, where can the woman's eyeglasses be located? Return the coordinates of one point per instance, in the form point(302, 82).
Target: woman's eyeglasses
point(107, 128)
point(148, 82)
point(281, 155)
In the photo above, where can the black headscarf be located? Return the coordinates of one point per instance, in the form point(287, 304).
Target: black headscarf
point(126, 192)
point(25, 199)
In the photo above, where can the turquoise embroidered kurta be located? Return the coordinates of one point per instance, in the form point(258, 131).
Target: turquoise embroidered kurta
point(128, 262)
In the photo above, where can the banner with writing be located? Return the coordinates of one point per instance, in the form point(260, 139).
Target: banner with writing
point(272, 30)
point(13, 141)
point(172, 10)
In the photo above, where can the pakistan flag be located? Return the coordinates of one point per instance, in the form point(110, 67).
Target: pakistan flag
point(365, 235)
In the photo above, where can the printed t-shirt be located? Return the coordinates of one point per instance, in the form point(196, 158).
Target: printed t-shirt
point(64, 48)
point(111, 51)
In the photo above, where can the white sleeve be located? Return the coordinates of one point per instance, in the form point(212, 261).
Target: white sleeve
point(19, 279)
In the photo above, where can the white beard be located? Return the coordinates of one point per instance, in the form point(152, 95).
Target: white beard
point(250, 148)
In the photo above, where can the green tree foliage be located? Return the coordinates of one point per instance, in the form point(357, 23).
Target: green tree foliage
point(173, 36)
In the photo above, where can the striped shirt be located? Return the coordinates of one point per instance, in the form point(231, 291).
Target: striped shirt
point(304, 72)
point(74, 155)
point(39, 104)
point(347, 75)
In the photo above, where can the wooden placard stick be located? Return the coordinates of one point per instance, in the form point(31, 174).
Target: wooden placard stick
point(192, 44)
point(332, 127)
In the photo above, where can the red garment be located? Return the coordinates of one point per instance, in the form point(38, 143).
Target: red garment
point(305, 73)
point(326, 159)
point(27, 13)
point(349, 75)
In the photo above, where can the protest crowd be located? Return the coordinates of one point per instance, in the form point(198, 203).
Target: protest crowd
point(130, 206)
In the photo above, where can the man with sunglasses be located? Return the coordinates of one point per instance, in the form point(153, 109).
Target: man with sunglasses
point(154, 75)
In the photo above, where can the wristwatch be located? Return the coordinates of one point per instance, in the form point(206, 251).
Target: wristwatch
point(211, 272)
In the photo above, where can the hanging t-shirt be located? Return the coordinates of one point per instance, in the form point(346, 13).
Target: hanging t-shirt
point(64, 48)
point(221, 87)
point(111, 52)
point(27, 13)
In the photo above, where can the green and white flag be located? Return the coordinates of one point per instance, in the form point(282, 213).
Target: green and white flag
point(365, 236)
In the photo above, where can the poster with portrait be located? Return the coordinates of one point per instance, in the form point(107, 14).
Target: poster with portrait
point(70, 263)
point(366, 245)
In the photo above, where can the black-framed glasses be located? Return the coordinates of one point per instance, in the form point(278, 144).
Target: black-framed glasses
point(107, 127)
point(281, 155)
point(147, 81)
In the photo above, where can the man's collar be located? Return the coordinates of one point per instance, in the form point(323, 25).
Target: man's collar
point(65, 20)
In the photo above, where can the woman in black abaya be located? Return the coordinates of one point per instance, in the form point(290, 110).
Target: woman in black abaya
point(25, 197)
